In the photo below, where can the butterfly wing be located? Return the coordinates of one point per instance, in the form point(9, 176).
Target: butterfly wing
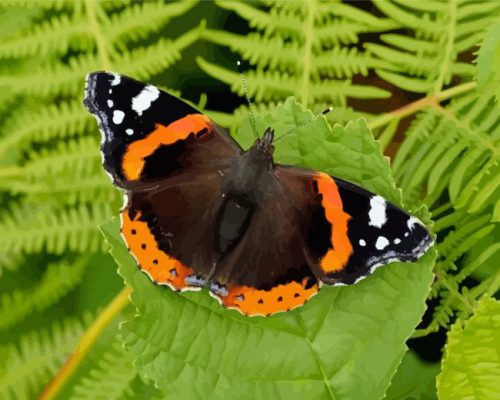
point(351, 231)
point(170, 160)
point(148, 134)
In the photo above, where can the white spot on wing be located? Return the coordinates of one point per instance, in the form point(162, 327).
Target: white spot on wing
point(381, 243)
point(129, 131)
point(412, 221)
point(377, 212)
point(116, 80)
point(118, 117)
point(407, 234)
point(362, 242)
point(397, 241)
point(110, 103)
point(143, 100)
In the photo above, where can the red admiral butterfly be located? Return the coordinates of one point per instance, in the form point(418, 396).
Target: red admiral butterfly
point(200, 211)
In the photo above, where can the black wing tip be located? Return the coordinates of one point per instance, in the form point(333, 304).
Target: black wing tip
point(93, 82)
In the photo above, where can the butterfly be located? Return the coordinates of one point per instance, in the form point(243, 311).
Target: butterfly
point(202, 212)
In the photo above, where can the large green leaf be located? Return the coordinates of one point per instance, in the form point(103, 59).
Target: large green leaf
point(346, 343)
point(471, 366)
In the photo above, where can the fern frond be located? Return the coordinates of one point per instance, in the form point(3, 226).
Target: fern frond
point(457, 236)
point(285, 24)
point(465, 244)
point(263, 51)
point(54, 36)
point(128, 26)
point(33, 228)
point(79, 155)
point(144, 62)
point(490, 252)
point(342, 62)
point(45, 123)
point(346, 11)
point(9, 262)
point(57, 5)
point(427, 60)
point(443, 312)
point(262, 86)
point(424, 21)
point(53, 79)
point(62, 79)
point(111, 379)
point(265, 86)
point(319, 34)
point(71, 172)
point(58, 280)
point(25, 368)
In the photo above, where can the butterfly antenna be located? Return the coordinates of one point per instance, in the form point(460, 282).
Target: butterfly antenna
point(250, 105)
point(301, 125)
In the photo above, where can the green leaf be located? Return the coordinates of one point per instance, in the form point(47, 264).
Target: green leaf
point(415, 380)
point(488, 61)
point(343, 337)
point(471, 366)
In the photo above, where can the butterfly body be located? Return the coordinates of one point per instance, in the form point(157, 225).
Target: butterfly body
point(202, 212)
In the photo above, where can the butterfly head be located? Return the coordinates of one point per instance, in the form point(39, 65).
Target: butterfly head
point(264, 145)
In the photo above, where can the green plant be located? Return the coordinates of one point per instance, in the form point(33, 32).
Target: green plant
point(408, 68)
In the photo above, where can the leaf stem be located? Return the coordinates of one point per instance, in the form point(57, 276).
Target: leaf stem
point(86, 342)
point(420, 104)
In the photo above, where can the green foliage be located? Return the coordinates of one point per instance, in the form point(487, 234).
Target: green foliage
point(25, 368)
point(54, 192)
point(111, 379)
point(425, 58)
point(453, 157)
point(471, 365)
point(321, 350)
point(321, 35)
point(488, 61)
point(365, 59)
point(58, 280)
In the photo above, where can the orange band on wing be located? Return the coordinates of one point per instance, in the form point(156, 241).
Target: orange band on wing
point(336, 258)
point(160, 267)
point(251, 301)
point(133, 159)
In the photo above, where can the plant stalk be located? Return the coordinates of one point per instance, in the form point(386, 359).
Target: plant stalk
point(86, 342)
point(420, 104)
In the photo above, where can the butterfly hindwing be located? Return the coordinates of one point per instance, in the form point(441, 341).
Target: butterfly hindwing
point(265, 270)
point(169, 229)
